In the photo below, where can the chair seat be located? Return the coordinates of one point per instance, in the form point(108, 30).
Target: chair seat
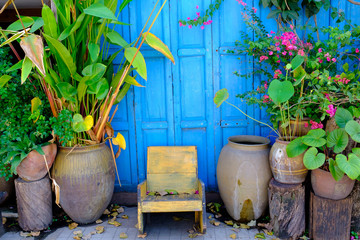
point(172, 203)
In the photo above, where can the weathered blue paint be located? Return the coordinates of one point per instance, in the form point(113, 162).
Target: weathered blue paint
point(176, 107)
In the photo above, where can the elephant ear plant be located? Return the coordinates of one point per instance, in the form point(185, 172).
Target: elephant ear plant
point(327, 149)
point(68, 52)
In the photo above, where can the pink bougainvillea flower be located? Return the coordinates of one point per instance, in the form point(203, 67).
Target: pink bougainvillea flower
point(277, 44)
point(278, 49)
point(301, 52)
point(284, 53)
point(190, 26)
point(320, 61)
point(327, 96)
point(290, 53)
point(272, 32)
point(271, 53)
point(357, 50)
point(319, 50)
point(278, 61)
point(327, 55)
point(333, 59)
point(328, 59)
point(331, 111)
point(202, 27)
point(306, 124)
point(255, 10)
point(292, 27)
point(197, 6)
point(188, 18)
point(196, 191)
point(262, 58)
point(181, 25)
point(315, 125)
point(198, 14)
point(266, 85)
point(266, 99)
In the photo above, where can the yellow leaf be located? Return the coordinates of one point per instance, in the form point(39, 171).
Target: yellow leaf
point(268, 232)
point(215, 223)
point(73, 225)
point(25, 234)
point(106, 212)
point(120, 141)
point(233, 236)
point(230, 223)
point(78, 232)
point(125, 217)
point(123, 235)
point(99, 229)
point(158, 45)
point(114, 222)
point(4, 220)
point(244, 226)
point(260, 236)
point(34, 49)
point(35, 234)
point(98, 221)
point(114, 214)
point(77, 238)
point(142, 235)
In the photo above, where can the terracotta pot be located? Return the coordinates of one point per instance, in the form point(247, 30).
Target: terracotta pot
point(86, 176)
point(33, 167)
point(286, 170)
point(324, 185)
point(243, 175)
point(300, 130)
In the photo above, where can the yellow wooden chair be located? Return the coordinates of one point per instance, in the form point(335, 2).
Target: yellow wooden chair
point(172, 168)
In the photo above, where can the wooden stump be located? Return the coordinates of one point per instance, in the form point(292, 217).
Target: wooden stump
point(34, 204)
point(287, 209)
point(355, 215)
point(330, 219)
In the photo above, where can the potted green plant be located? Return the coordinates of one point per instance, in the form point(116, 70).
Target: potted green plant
point(76, 73)
point(333, 169)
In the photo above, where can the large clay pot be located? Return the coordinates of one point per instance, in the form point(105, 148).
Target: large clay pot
point(243, 175)
point(324, 185)
point(33, 167)
point(9, 187)
point(298, 128)
point(86, 178)
point(286, 170)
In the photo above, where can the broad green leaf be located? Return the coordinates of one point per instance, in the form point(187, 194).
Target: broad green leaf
point(72, 28)
point(297, 61)
point(116, 38)
point(4, 80)
point(15, 163)
point(62, 52)
point(16, 66)
point(39, 22)
point(82, 125)
point(158, 45)
point(342, 116)
point(353, 129)
point(122, 93)
point(356, 151)
point(35, 104)
point(102, 89)
point(139, 61)
point(346, 67)
point(313, 160)
point(119, 141)
point(95, 72)
point(94, 50)
point(295, 148)
point(67, 91)
point(314, 138)
point(17, 25)
point(34, 49)
point(100, 10)
point(13, 38)
point(299, 75)
point(335, 171)
point(280, 92)
point(338, 139)
point(50, 25)
point(354, 111)
point(221, 96)
point(132, 81)
point(26, 69)
point(350, 166)
point(81, 90)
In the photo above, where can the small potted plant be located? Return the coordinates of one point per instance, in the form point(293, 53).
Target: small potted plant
point(334, 171)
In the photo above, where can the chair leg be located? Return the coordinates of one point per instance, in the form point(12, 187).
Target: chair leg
point(197, 217)
point(140, 221)
point(202, 221)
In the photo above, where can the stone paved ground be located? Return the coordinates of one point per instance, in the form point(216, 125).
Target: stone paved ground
point(161, 227)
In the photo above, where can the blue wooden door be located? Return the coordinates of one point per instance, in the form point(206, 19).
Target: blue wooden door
point(176, 106)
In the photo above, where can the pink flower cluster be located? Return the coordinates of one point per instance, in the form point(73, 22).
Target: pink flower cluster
point(195, 19)
point(242, 3)
point(314, 125)
point(262, 58)
point(277, 73)
point(342, 80)
point(332, 110)
point(266, 99)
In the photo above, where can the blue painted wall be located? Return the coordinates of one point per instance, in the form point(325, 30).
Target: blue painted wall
point(176, 106)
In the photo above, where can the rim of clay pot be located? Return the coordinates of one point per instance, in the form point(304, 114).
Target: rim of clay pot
point(282, 141)
point(254, 142)
point(82, 148)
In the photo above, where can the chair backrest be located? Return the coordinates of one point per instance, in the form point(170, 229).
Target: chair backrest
point(172, 168)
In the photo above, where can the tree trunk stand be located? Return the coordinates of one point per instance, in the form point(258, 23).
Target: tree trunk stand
point(329, 219)
point(34, 203)
point(287, 209)
point(355, 215)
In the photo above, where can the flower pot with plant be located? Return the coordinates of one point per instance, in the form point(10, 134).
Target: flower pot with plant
point(76, 73)
point(333, 170)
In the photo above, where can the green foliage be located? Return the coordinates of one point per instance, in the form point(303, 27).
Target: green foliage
point(62, 126)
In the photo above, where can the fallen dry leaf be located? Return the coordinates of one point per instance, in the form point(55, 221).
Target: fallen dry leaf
point(93, 232)
point(125, 217)
point(252, 223)
point(25, 234)
point(99, 221)
point(236, 226)
point(193, 235)
point(99, 229)
point(266, 225)
point(78, 232)
point(77, 238)
point(4, 219)
point(235, 230)
point(73, 225)
point(142, 235)
point(209, 217)
point(244, 226)
point(114, 214)
point(218, 215)
point(268, 232)
point(114, 222)
point(233, 236)
point(120, 210)
point(35, 234)
point(215, 223)
point(230, 223)
point(123, 235)
point(163, 193)
point(260, 236)
point(106, 212)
